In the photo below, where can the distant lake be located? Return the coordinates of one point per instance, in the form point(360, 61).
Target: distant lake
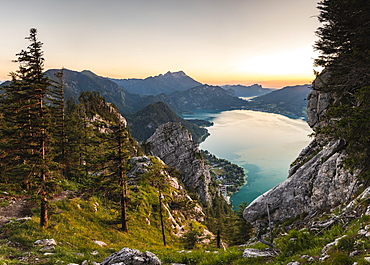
point(264, 144)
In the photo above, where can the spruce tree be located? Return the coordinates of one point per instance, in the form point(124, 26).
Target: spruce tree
point(57, 110)
point(26, 124)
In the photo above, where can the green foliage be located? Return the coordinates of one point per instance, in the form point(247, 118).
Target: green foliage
point(193, 236)
point(340, 258)
point(296, 242)
point(345, 53)
point(202, 257)
point(27, 156)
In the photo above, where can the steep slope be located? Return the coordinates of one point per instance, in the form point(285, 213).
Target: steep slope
point(174, 145)
point(317, 182)
point(77, 82)
point(290, 101)
point(247, 91)
point(144, 122)
point(154, 85)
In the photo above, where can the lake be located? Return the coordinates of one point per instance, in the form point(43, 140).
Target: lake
point(264, 144)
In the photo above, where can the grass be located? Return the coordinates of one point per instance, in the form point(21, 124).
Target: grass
point(76, 223)
point(201, 256)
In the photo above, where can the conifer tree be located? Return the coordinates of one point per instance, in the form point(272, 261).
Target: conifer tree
point(58, 130)
point(344, 43)
point(26, 124)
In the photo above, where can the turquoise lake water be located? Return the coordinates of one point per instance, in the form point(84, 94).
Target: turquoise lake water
point(264, 144)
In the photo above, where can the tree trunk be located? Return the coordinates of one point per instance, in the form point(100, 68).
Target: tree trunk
point(124, 206)
point(161, 216)
point(44, 216)
point(123, 182)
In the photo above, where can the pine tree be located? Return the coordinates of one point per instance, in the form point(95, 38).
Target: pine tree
point(57, 109)
point(26, 124)
point(344, 44)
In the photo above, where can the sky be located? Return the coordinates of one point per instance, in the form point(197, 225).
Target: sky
point(217, 42)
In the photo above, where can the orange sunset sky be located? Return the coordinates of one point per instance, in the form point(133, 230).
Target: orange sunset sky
point(217, 42)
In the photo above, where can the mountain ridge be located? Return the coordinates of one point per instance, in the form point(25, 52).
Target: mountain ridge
point(290, 101)
point(144, 122)
point(248, 91)
point(162, 83)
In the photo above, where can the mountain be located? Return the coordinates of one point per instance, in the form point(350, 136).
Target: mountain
point(290, 101)
point(154, 85)
point(77, 82)
point(247, 91)
point(202, 97)
point(199, 97)
point(144, 122)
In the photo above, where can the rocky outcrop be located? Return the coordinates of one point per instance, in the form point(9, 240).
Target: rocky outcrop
point(174, 145)
point(319, 184)
point(317, 179)
point(318, 102)
point(177, 215)
point(129, 256)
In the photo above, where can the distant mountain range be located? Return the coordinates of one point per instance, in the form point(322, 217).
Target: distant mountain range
point(195, 98)
point(247, 91)
point(203, 97)
point(179, 93)
point(290, 101)
point(154, 85)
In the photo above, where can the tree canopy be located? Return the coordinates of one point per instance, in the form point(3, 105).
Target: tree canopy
point(344, 44)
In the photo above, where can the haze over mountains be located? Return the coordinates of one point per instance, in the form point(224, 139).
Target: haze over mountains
point(290, 101)
point(248, 91)
point(183, 94)
point(154, 85)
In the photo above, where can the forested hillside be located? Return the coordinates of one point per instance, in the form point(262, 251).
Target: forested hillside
point(72, 172)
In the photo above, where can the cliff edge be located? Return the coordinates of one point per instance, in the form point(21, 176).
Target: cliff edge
point(317, 179)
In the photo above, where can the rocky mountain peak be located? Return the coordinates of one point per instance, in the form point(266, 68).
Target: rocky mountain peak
point(178, 74)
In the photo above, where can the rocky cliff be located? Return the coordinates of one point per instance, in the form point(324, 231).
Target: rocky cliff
point(174, 145)
point(317, 180)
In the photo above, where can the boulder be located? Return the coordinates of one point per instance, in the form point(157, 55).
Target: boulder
point(45, 242)
point(252, 253)
point(127, 256)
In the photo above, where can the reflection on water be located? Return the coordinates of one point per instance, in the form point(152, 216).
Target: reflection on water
point(264, 144)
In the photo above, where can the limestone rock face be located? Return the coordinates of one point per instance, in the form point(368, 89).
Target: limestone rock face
point(317, 180)
point(131, 257)
point(318, 102)
point(319, 184)
point(174, 145)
